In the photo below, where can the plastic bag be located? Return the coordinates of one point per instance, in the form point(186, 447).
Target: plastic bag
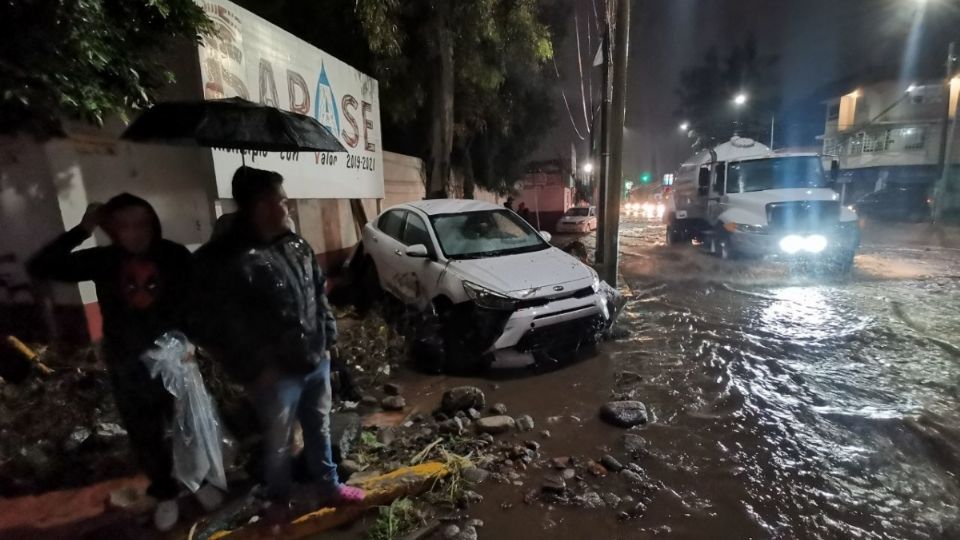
point(198, 438)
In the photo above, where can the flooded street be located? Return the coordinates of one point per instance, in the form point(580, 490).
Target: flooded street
point(782, 406)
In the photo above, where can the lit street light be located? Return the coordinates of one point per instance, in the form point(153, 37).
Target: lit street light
point(588, 167)
point(740, 99)
point(685, 126)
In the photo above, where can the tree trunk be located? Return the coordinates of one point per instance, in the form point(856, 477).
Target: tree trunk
point(441, 96)
point(469, 182)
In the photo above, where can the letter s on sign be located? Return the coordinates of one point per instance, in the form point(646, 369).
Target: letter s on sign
point(346, 104)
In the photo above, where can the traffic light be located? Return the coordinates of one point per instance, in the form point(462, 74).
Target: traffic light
point(645, 177)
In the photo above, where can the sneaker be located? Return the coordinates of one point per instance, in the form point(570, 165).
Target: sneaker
point(166, 515)
point(344, 495)
point(209, 497)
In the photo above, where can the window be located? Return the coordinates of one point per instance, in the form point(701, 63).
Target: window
point(877, 142)
point(391, 223)
point(719, 177)
point(914, 138)
point(776, 173)
point(489, 233)
point(416, 232)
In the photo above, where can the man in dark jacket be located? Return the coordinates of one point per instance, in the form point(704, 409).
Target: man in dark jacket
point(265, 316)
point(141, 282)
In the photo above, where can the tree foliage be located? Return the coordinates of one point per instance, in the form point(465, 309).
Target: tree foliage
point(499, 49)
point(706, 94)
point(86, 58)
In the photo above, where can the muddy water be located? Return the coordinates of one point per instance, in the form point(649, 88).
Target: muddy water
point(784, 407)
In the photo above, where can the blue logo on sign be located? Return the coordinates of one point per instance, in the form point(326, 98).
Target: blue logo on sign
point(325, 103)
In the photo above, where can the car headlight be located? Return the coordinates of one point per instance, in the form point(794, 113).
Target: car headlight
point(746, 228)
point(596, 283)
point(486, 298)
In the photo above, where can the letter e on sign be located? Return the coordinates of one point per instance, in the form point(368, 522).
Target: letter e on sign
point(367, 126)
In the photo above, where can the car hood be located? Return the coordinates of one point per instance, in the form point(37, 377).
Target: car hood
point(536, 273)
point(574, 219)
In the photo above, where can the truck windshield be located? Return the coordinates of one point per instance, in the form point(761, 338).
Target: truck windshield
point(775, 173)
point(491, 233)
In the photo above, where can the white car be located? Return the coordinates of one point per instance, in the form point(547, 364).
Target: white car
point(578, 219)
point(495, 283)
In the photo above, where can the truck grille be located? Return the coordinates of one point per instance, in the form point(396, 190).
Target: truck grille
point(803, 215)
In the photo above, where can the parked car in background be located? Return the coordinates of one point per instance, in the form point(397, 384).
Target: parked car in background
point(493, 281)
point(897, 204)
point(578, 219)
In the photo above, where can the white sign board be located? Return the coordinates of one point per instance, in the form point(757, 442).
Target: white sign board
point(253, 59)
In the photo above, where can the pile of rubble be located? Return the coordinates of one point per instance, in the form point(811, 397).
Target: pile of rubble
point(60, 429)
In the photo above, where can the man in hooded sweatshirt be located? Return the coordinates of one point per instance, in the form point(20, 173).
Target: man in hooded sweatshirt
point(264, 314)
point(141, 281)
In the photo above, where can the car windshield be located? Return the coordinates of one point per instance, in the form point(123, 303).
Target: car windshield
point(490, 233)
point(579, 211)
point(775, 173)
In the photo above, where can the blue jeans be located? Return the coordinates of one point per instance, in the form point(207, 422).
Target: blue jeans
point(307, 399)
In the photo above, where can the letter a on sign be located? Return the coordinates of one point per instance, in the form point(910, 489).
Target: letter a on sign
point(325, 103)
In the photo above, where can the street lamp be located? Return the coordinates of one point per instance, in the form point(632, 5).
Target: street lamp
point(685, 126)
point(740, 99)
point(588, 167)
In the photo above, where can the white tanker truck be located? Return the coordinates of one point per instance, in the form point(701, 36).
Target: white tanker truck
point(742, 199)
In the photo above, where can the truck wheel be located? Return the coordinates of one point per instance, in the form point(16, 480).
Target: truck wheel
point(723, 248)
point(844, 262)
point(674, 233)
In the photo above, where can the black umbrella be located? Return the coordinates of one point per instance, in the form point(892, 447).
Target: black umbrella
point(231, 123)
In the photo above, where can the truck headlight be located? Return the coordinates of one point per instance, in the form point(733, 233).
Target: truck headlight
point(486, 298)
point(791, 244)
point(794, 243)
point(746, 228)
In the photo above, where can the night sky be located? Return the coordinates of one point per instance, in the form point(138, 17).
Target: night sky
point(825, 48)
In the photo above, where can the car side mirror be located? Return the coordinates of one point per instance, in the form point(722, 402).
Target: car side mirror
point(419, 251)
point(546, 236)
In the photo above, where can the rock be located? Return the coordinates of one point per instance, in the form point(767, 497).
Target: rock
point(525, 423)
point(393, 403)
point(467, 533)
point(532, 445)
point(368, 400)
point(635, 468)
point(498, 408)
point(450, 531)
point(518, 452)
point(553, 483)
point(554, 419)
point(627, 499)
point(568, 474)
point(475, 523)
point(349, 467)
point(475, 475)
point(632, 476)
point(530, 497)
point(471, 496)
point(495, 424)
point(130, 498)
point(624, 414)
point(560, 462)
point(611, 463)
point(386, 436)
point(462, 398)
point(591, 500)
point(461, 415)
point(487, 438)
point(629, 376)
point(611, 499)
point(634, 444)
point(78, 437)
point(392, 389)
point(109, 430)
point(596, 469)
point(473, 414)
point(454, 425)
point(545, 434)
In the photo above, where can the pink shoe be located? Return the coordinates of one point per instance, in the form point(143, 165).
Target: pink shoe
point(344, 495)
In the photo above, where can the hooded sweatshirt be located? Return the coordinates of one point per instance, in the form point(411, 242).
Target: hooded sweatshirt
point(141, 296)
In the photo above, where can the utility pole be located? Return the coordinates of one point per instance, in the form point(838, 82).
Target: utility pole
point(772, 125)
point(611, 240)
point(604, 165)
point(940, 192)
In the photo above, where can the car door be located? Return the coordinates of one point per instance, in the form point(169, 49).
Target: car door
point(592, 220)
point(420, 275)
point(386, 247)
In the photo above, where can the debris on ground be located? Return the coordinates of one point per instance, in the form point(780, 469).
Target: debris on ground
point(624, 414)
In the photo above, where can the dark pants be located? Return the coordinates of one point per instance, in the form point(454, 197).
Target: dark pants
point(308, 400)
point(145, 410)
